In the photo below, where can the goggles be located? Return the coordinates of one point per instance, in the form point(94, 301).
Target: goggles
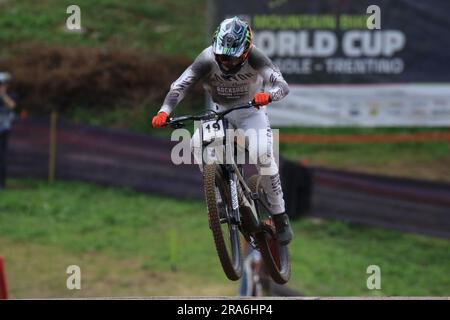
point(228, 62)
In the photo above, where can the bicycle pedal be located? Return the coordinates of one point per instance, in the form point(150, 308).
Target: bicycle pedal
point(270, 231)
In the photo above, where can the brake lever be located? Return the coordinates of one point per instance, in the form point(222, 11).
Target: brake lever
point(177, 125)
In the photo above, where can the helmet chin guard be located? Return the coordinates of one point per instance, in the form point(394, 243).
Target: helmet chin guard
point(232, 42)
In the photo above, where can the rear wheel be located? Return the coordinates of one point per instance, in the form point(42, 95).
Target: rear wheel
point(275, 256)
point(225, 232)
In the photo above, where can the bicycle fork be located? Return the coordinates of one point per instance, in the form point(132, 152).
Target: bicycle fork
point(232, 182)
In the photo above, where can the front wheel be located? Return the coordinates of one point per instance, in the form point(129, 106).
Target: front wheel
point(275, 256)
point(225, 232)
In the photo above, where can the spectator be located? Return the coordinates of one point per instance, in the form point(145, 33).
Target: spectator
point(7, 105)
point(251, 279)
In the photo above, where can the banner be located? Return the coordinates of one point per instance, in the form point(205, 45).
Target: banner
point(343, 73)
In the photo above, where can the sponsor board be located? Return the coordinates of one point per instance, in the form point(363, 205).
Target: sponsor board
point(363, 105)
point(397, 74)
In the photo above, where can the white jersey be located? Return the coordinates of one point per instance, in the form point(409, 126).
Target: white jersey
point(258, 74)
point(229, 90)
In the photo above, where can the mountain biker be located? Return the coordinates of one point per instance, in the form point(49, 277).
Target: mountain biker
point(233, 70)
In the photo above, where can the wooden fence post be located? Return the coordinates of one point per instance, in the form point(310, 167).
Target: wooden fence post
point(52, 146)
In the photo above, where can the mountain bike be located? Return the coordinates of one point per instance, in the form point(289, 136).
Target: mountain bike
point(235, 206)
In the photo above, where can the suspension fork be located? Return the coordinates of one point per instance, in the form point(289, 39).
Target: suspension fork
point(233, 182)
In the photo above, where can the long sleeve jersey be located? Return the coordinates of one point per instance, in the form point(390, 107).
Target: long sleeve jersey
point(257, 74)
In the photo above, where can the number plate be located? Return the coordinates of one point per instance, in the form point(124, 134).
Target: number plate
point(212, 130)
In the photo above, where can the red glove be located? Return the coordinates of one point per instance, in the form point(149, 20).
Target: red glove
point(159, 120)
point(261, 99)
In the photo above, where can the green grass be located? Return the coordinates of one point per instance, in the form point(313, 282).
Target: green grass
point(85, 218)
point(423, 160)
point(333, 257)
point(161, 27)
point(123, 238)
point(427, 161)
point(136, 119)
point(359, 130)
point(371, 154)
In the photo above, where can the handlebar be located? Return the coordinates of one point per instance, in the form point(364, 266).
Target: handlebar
point(178, 121)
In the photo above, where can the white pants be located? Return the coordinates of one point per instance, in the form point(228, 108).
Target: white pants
point(251, 121)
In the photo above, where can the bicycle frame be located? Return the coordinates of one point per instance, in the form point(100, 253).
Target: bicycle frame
point(242, 199)
point(241, 194)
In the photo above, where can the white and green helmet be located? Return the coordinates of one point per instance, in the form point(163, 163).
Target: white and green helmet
point(232, 42)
